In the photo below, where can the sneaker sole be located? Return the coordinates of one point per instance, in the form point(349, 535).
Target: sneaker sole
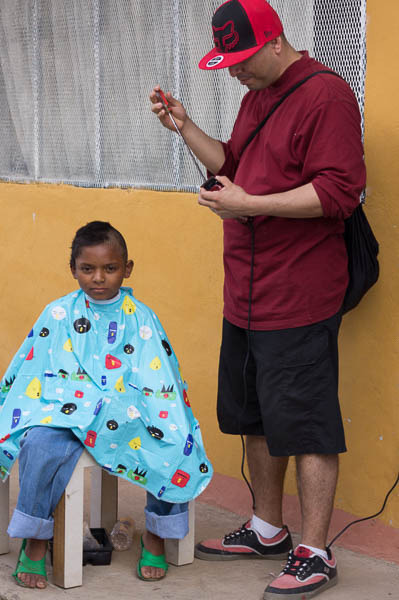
point(213, 556)
point(285, 595)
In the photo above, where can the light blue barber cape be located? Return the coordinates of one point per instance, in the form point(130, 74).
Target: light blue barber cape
point(108, 372)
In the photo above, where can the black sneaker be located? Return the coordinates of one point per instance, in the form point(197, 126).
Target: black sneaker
point(305, 575)
point(245, 543)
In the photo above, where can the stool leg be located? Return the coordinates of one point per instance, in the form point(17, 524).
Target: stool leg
point(181, 552)
point(103, 499)
point(68, 534)
point(4, 515)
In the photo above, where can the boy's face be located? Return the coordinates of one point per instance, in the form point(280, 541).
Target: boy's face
point(101, 269)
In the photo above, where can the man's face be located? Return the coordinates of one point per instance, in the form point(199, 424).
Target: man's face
point(100, 270)
point(260, 70)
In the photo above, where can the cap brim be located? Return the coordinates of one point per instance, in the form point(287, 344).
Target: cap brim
point(217, 60)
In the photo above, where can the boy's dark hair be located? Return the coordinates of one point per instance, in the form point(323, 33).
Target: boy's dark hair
point(96, 232)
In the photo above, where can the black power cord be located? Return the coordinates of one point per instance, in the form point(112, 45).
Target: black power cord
point(250, 224)
point(366, 518)
point(244, 374)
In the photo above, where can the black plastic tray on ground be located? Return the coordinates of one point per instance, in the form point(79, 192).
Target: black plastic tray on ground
point(98, 556)
point(102, 555)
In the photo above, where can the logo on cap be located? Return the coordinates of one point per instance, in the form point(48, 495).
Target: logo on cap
point(226, 37)
point(213, 62)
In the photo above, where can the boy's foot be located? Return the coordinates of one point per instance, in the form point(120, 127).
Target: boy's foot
point(155, 546)
point(305, 575)
point(246, 543)
point(35, 551)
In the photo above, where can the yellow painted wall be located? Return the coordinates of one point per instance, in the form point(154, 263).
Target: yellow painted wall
point(370, 337)
point(177, 248)
point(369, 340)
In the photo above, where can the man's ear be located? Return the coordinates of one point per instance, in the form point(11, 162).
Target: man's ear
point(73, 271)
point(277, 44)
point(129, 268)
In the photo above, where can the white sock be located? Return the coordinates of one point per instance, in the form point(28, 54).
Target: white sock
point(264, 528)
point(318, 551)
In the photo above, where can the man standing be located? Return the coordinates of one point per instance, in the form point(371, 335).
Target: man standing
point(283, 204)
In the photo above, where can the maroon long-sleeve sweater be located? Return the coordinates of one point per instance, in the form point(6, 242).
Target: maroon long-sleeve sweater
point(300, 270)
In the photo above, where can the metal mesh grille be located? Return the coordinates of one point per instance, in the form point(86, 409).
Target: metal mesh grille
point(75, 78)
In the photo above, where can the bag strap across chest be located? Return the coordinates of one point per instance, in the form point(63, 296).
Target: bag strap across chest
point(279, 102)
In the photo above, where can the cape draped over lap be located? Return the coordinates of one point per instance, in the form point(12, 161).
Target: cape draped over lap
point(109, 373)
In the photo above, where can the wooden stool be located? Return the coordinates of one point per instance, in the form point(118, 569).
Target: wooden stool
point(4, 515)
point(68, 519)
point(68, 522)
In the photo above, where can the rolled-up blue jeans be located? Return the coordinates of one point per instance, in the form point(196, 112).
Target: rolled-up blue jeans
point(47, 459)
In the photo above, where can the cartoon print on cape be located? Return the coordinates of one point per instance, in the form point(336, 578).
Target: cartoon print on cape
point(109, 373)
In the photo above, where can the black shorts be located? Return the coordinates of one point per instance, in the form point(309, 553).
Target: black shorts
point(291, 379)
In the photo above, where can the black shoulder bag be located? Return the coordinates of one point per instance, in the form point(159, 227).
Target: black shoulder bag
point(361, 245)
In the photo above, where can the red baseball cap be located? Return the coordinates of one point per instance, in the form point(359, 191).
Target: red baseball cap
point(240, 28)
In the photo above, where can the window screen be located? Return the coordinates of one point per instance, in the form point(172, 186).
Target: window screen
point(75, 76)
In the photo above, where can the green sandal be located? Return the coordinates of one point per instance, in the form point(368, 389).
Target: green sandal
point(26, 565)
point(151, 560)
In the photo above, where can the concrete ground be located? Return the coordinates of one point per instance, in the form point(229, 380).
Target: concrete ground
point(360, 577)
